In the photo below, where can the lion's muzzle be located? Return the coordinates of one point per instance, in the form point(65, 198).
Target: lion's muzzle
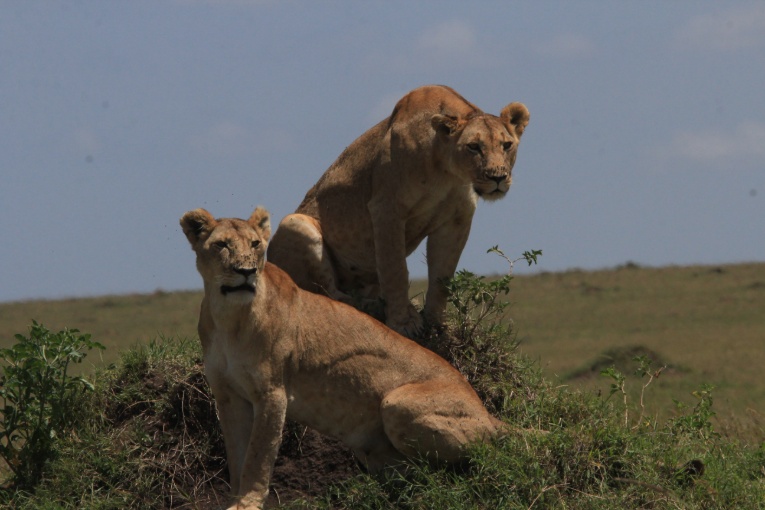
point(494, 184)
point(247, 286)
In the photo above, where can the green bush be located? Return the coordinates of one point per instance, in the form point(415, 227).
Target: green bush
point(479, 340)
point(149, 438)
point(39, 397)
point(478, 302)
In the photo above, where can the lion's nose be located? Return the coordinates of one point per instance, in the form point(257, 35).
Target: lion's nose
point(497, 178)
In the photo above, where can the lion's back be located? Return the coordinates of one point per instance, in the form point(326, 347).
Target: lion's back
point(428, 100)
point(346, 187)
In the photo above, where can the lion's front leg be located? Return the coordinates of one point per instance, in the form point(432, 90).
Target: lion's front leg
point(444, 248)
point(236, 420)
point(393, 275)
point(261, 450)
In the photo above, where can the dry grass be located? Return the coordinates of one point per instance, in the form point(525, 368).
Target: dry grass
point(118, 322)
point(707, 323)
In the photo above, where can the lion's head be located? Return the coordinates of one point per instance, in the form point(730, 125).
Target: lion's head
point(484, 147)
point(230, 252)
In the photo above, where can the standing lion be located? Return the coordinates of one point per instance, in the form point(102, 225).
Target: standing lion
point(416, 174)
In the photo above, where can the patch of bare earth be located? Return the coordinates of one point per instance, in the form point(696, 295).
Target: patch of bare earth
point(307, 465)
point(183, 444)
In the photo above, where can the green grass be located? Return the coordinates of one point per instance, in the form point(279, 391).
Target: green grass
point(150, 439)
point(589, 466)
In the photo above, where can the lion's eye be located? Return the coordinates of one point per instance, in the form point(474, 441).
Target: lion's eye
point(507, 145)
point(474, 147)
point(220, 244)
point(256, 243)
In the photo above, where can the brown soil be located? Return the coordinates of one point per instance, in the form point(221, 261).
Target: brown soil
point(307, 465)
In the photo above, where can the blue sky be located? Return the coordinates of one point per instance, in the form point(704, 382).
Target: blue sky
point(646, 141)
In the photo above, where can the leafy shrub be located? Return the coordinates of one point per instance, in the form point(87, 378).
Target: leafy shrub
point(698, 420)
point(39, 397)
point(479, 341)
point(149, 438)
point(478, 302)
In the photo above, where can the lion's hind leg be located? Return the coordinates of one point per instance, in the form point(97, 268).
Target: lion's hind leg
point(435, 420)
point(376, 458)
point(298, 248)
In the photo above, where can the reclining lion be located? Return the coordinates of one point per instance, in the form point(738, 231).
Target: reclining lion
point(414, 175)
point(274, 351)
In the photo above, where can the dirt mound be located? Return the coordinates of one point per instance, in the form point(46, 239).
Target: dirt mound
point(170, 407)
point(308, 464)
point(622, 358)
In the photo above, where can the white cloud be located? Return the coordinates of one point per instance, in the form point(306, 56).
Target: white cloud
point(567, 46)
point(747, 140)
point(738, 28)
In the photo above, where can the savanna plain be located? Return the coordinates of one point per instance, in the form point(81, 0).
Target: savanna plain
point(677, 335)
point(705, 323)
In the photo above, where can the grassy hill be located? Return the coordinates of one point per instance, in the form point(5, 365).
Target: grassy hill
point(148, 436)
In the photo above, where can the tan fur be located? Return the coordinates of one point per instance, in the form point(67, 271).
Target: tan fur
point(274, 351)
point(414, 175)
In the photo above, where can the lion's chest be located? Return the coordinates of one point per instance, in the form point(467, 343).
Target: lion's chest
point(239, 364)
point(419, 209)
point(434, 210)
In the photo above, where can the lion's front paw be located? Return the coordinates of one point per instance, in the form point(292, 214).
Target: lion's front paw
point(242, 506)
point(410, 325)
point(250, 501)
point(435, 320)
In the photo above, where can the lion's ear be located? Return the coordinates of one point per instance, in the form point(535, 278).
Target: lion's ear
point(445, 125)
point(517, 116)
point(197, 224)
point(261, 221)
